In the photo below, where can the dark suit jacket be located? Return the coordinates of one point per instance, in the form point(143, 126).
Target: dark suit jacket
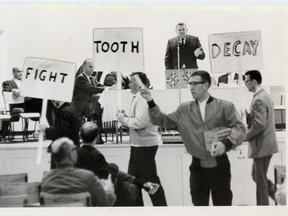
point(187, 55)
point(224, 78)
point(65, 124)
point(30, 104)
point(91, 159)
point(83, 92)
point(261, 133)
point(9, 85)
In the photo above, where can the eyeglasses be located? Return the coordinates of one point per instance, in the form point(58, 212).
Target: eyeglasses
point(194, 83)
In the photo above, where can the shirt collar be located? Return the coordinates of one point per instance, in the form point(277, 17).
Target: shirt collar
point(85, 76)
point(257, 90)
point(209, 100)
point(204, 102)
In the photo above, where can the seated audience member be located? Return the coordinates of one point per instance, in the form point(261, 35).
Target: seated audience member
point(66, 179)
point(65, 123)
point(29, 105)
point(229, 78)
point(111, 79)
point(85, 99)
point(91, 159)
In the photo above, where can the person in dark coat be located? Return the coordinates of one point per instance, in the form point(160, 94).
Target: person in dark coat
point(190, 49)
point(65, 123)
point(89, 158)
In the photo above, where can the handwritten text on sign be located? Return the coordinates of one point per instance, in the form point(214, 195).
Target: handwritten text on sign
point(239, 51)
point(48, 79)
point(118, 49)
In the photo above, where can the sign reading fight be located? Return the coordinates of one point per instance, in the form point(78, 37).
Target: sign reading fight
point(118, 49)
point(235, 52)
point(48, 79)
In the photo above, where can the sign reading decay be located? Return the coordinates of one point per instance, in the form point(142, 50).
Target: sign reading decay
point(235, 52)
point(118, 49)
point(48, 79)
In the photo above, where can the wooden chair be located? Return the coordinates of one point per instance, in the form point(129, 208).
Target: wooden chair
point(14, 178)
point(13, 201)
point(279, 176)
point(31, 189)
point(52, 199)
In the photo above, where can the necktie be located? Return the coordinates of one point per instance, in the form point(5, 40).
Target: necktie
point(91, 81)
point(182, 42)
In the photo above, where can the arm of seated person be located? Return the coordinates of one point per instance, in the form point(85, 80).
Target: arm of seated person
point(102, 192)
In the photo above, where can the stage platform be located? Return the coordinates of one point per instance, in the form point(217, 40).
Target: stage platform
point(173, 163)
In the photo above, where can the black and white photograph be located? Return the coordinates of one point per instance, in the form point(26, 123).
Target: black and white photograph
point(157, 108)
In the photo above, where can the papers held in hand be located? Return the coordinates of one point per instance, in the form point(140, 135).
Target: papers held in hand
point(139, 81)
point(215, 136)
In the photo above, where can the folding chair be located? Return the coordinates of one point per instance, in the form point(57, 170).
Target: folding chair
point(14, 178)
point(10, 99)
point(31, 189)
point(13, 201)
point(52, 199)
point(279, 176)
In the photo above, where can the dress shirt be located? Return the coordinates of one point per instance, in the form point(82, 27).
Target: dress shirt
point(202, 106)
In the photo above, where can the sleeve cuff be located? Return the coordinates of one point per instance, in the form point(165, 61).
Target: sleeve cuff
point(227, 143)
point(139, 182)
point(151, 104)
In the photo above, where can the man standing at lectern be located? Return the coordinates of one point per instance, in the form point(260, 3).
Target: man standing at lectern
point(190, 50)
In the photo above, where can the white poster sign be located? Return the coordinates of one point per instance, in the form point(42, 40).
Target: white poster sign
point(235, 52)
point(118, 49)
point(48, 79)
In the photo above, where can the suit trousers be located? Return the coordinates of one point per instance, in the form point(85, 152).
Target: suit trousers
point(142, 165)
point(215, 180)
point(259, 175)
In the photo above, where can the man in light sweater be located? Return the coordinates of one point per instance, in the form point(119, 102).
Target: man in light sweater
point(144, 139)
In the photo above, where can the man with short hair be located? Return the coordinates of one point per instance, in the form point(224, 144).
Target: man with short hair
point(91, 159)
point(144, 139)
point(66, 179)
point(261, 136)
point(190, 49)
point(85, 99)
point(209, 127)
point(29, 105)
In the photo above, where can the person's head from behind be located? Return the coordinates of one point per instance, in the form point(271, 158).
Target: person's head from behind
point(17, 73)
point(89, 132)
point(133, 84)
point(88, 67)
point(63, 152)
point(181, 30)
point(199, 83)
point(252, 80)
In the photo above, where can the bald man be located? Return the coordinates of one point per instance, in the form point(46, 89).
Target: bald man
point(91, 159)
point(66, 179)
point(85, 99)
